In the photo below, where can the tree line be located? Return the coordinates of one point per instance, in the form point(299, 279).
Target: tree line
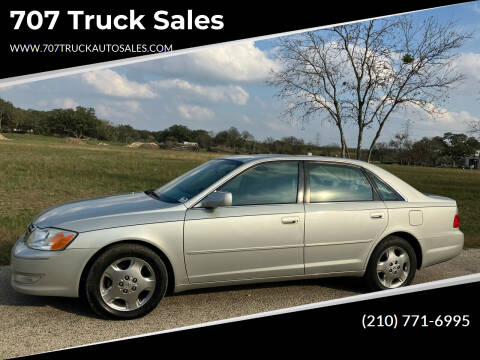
point(83, 123)
point(447, 150)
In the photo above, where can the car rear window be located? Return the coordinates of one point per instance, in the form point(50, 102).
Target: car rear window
point(332, 182)
point(385, 191)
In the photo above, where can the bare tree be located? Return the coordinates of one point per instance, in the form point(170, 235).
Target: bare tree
point(311, 79)
point(402, 143)
point(361, 73)
point(474, 128)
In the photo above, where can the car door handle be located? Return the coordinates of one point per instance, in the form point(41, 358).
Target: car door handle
point(376, 216)
point(290, 220)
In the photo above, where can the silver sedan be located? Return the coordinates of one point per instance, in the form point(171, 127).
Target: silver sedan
point(236, 220)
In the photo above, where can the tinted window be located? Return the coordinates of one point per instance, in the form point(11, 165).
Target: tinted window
point(269, 183)
point(330, 182)
point(385, 191)
point(196, 180)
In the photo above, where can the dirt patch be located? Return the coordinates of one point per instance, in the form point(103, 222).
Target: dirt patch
point(4, 138)
point(102, 144)
point(142, 145)
point(74, 141)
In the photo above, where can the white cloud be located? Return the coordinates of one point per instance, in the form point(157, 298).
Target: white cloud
point(241, 62)
point(59, 103)
point(195, 112)
point(16, 87)
point(444, 119)
point(237, 62)
point(456, 119)
point(469, 65)
point(65, 103)
point(118, 110)
point(220, 93)
point(108, 82)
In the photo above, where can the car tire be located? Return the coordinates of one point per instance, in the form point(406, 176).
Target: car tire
point(126, 281)
point(392, 264)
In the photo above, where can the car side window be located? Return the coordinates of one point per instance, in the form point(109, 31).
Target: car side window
point(332, 182)
point(268, 183)
point(385, 191)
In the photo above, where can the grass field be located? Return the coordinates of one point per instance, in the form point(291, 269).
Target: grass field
point(38, 172)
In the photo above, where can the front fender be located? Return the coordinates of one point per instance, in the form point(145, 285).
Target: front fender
point(166, 237)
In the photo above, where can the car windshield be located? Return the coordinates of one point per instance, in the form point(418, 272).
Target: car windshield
point(196, 180)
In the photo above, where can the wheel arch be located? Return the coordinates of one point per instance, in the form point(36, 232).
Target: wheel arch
point(412, 240)
point(159, 252)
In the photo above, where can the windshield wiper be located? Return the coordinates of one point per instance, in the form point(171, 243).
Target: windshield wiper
point(152, 193)
point(161, 197)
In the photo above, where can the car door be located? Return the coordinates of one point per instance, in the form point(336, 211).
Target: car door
point(343, 217)
point(259, 236)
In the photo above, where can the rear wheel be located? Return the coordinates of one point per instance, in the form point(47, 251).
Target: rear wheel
point(393, 264)
point(125, 282)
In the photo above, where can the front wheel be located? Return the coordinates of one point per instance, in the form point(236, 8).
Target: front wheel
point(127, 281)
point(393, 264)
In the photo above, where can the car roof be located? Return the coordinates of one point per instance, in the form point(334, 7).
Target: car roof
point(257, 157)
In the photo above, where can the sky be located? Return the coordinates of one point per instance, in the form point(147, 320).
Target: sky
point(224, 86)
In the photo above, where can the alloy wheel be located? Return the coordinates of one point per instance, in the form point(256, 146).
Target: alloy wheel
point(127, 284)
point(393, 267)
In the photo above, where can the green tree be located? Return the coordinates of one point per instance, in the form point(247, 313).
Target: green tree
point(457, 146)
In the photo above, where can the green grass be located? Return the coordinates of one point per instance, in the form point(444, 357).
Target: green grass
point(37, 172)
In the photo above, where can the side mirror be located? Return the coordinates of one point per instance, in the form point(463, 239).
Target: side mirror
point(216, 199)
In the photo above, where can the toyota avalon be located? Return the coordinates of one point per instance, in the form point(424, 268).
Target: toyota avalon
point(236, 220)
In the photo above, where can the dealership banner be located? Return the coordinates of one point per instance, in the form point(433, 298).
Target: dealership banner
point(40, 38)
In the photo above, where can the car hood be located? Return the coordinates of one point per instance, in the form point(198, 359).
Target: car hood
point(108, 212)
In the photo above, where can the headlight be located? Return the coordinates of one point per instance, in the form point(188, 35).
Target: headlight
point(49, 239)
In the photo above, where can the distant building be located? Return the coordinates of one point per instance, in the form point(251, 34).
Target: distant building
point(19, 131)
point(471, 162)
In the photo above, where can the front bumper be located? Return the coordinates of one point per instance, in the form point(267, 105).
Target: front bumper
point(50, 273)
